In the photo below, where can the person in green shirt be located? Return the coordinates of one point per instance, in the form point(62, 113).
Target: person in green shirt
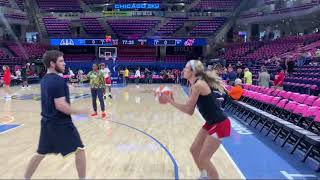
point(264, 78)
point(247, 76)
point(97, 85)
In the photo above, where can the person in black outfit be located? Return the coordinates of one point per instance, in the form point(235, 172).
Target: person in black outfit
point(205, 88)
point(58, 133)
point(24, 77)
point(290, 64)
point(240, 74)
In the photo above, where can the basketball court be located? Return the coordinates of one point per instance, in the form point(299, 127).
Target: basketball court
point(139, 139)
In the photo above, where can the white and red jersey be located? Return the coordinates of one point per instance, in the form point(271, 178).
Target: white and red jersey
point(106, 72)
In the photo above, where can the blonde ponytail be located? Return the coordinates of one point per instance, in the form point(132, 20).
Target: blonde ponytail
point(213, 81)
point(210, 77)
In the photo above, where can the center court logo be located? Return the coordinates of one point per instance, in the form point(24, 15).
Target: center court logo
point(240, 128)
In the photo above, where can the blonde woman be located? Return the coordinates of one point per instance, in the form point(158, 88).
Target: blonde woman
point(204, 90)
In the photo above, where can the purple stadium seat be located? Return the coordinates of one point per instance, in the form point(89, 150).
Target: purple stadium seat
point(60, 5)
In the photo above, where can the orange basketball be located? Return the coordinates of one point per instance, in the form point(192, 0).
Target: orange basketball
point(162, 90)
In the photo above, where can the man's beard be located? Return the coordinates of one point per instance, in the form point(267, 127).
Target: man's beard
point(59, 70)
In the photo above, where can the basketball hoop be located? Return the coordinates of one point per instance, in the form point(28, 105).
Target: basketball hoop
point(107, 56)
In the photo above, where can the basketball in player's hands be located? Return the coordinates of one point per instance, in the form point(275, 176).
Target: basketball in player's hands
point(163, 94)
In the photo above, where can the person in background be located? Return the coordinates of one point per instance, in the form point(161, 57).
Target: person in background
point(137, 76)
point(236, 92)
point(240, 74)
point(148, 75)
point(290, 65)
point(225, 74)
point(264, 78)
point(126, 76)
point(6, 81)
point(97, 84)
point(308, 57)
point(18, 74)
point(247, 76)
point(70, 72)
point(318, 55)
point(24, 77)
point(232, 75)
point(301, 58)
point(239, 65)
point(107, 77)
point(279, 79)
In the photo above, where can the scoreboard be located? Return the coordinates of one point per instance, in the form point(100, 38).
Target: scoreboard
point(132, 42)
point(81, 42)
point(177, 42)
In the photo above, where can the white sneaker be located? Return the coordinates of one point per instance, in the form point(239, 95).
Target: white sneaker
point(7, 98)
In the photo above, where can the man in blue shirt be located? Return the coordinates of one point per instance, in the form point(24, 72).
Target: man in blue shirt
point(58, 133)
point(232, 76)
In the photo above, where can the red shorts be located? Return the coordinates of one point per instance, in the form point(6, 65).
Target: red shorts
point(220, 130)
point(6, 82)
point(107, 81)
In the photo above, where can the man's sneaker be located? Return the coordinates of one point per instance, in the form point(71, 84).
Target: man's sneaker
point(104, 115)
point(94, 114)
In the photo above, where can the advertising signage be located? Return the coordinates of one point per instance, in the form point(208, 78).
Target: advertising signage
point(137, 6)
point(137, 42)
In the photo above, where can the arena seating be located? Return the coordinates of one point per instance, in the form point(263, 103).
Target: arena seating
point(250, 14)
point(15, 16)
point(136, 54)
point(27, 51)
point(136, 51)
point(274, 48)
point(179, 1)
point(216, 5)
point(295, 8)
point(57, 26)
point(79, 57)
point(60, 5)
point(208, 27)
point(146, 59)
point(3, 53)
point(138, 1)
point(92, 26)
point(283, 10)
point(235, 50)
point(171, 27)
point(21, 4)
point(292, 117)
point(312, 47)
point(5, 3)
point(175, 59)
point(91, 2)
point(132, 28)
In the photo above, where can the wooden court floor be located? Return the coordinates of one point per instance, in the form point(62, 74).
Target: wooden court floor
point(139, 139)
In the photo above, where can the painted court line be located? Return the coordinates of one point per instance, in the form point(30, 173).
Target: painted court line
point(175, 165)
point(222, 147)
point(7, 122)
point(11, 129)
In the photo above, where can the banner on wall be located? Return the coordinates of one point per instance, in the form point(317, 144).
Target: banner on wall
point(128, 13)
point(137, 6)
point(117, 13)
